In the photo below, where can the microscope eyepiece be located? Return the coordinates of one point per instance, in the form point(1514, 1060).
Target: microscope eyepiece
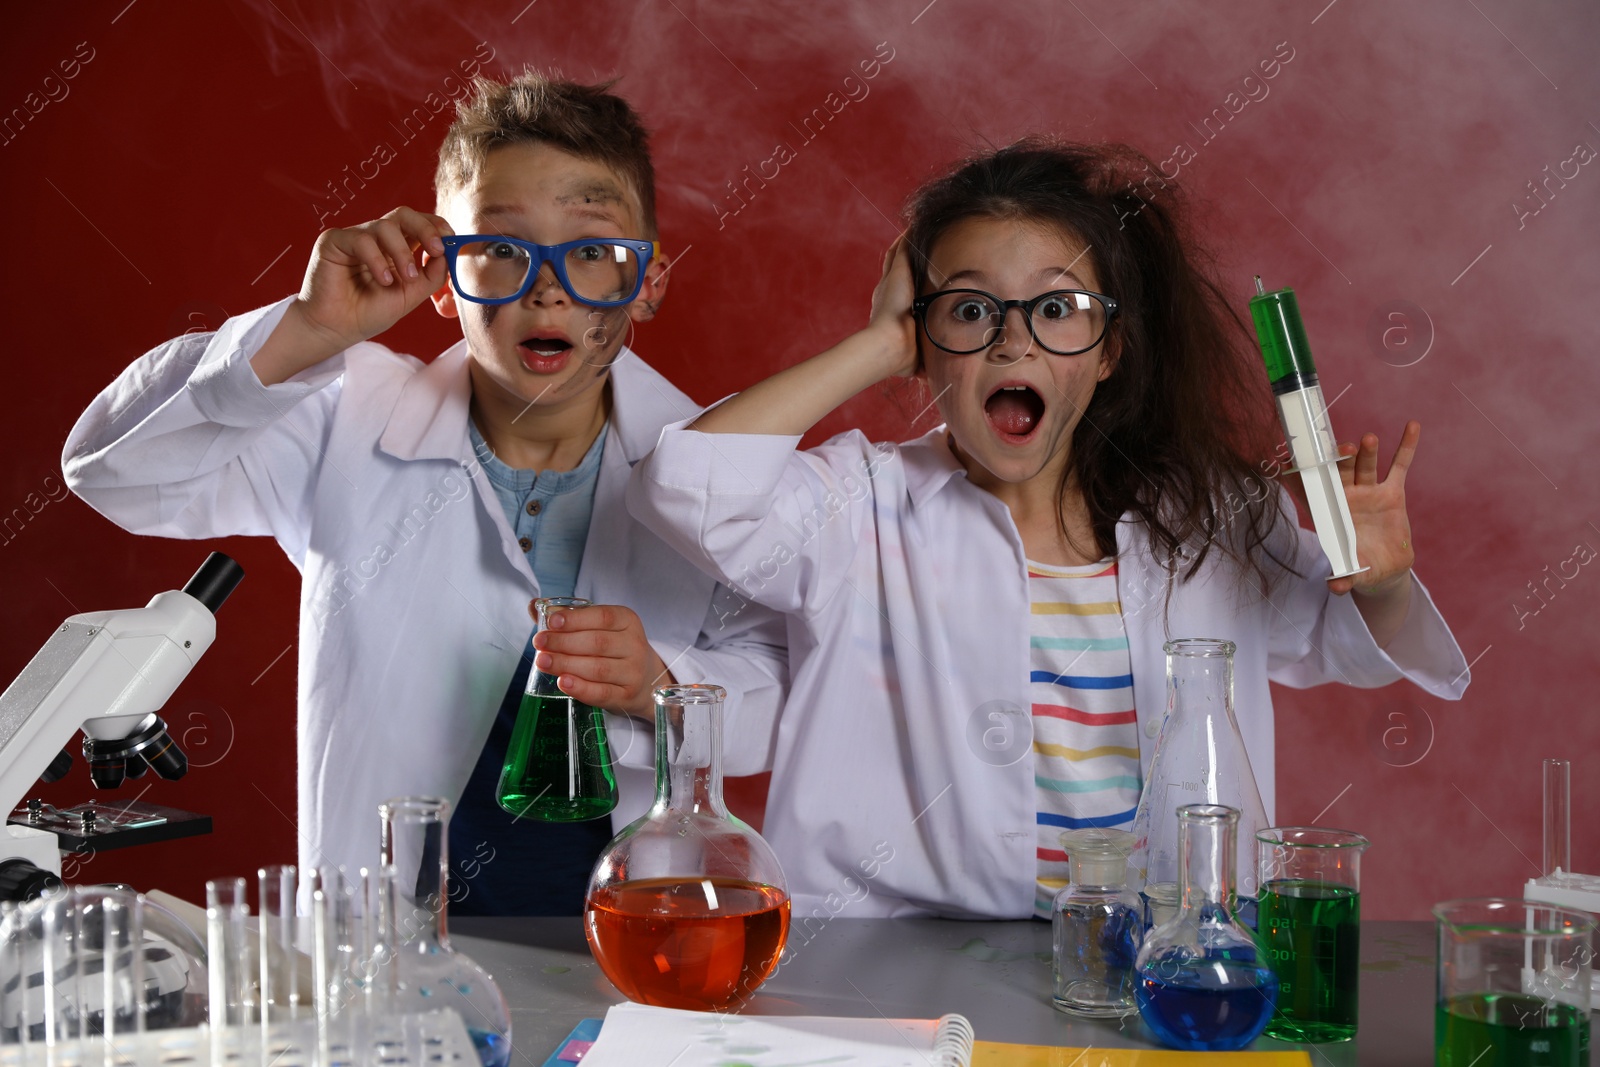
point(214, 580)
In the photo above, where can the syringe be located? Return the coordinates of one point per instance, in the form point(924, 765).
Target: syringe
point(1305, 423)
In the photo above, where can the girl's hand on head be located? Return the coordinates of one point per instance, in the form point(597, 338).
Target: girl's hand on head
point(1378, 509)
point(891, 311)
point(599, 656)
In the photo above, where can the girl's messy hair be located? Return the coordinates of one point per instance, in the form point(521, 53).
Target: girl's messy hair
point(1175, 433)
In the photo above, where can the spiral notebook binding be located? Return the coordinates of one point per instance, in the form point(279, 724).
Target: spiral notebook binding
point(952, 1042)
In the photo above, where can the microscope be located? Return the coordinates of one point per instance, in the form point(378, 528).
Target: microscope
point(108, 673)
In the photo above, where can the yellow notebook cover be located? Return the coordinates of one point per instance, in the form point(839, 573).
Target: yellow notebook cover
point(995, 1054)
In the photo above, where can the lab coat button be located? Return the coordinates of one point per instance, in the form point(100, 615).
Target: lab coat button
point(1150, 728)
point(526, 543)
point(533, 507)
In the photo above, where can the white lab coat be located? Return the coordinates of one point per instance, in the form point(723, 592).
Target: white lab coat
point(414, 593)
point(909, 598)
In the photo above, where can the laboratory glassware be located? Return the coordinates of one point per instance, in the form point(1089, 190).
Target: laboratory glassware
point(1306, 428)
point(1308, 927)
point(687, 906)
point(99, 946)
point(1201, 983)
point(1559, 884)
point(1513, 984)
point(558, 765)
point(1098, 927)
point(421, 970)
point(1200, 758)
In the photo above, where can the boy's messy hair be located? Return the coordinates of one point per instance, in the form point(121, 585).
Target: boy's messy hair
point(1174, 434)
point(589, 121)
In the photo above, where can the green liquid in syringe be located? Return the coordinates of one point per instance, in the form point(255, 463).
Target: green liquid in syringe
point(558, 765)
point(1504, 1029)
point(1310, 934)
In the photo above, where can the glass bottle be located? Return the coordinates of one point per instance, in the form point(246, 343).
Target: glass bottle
point(1201, 986)
point(1098, 927)
point(687, 906)
point(422, 971)
point(558, 765)
point(1200, 758)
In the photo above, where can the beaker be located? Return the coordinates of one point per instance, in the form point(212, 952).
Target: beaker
point(1201, 983)
point(1097, 926)
point(1200, 758)
point(1308, 925)
point(687, 906)
point(421, 971)
point(1513, 984)
point(558, 764)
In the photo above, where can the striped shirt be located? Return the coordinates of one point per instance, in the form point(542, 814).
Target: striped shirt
point(1085, 736)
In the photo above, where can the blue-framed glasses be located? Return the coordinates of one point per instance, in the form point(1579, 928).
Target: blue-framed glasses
point(601, 272)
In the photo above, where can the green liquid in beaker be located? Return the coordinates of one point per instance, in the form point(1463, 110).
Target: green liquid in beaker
point(1509, 1030)
point(1310, 933)
point(558, 765)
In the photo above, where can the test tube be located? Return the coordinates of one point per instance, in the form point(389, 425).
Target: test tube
point(228, 952)
point(1557, 818)
point(280, 971)
point(1312, 447)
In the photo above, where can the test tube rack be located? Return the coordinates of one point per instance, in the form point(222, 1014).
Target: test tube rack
point(428, 1039)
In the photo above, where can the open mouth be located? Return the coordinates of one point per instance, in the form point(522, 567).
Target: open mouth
point(544, 354)
point(1014, 410)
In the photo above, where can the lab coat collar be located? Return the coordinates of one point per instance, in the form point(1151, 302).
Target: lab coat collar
point(929, 464)
point(429, 420)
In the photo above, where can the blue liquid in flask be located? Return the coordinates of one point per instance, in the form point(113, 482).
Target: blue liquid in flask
point(493, 1049)
point(1206, 1005)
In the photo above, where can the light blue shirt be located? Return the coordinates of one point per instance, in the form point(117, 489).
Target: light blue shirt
point(548, 511)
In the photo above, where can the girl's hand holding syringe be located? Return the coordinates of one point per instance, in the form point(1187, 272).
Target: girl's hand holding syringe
point(1382, 592)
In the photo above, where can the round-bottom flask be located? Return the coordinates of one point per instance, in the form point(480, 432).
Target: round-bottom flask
point(424, 972)
point(1098, 927)
point(1201, 986)
point(687, 906)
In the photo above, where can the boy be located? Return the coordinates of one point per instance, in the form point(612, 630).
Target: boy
point(416, 589)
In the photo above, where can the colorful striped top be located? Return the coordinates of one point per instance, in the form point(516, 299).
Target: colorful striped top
point(1085, 736)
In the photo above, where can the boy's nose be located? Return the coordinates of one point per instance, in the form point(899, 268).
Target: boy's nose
point(546, 288)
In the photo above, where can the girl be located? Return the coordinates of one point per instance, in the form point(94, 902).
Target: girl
point(976, 616)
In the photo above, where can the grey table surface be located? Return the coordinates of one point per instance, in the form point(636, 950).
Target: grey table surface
point(997, 974)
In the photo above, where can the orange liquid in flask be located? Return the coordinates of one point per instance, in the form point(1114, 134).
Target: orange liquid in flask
point(700, 944)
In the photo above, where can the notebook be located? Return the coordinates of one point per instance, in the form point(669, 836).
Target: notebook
point(635, 1035)
point(639, 1036)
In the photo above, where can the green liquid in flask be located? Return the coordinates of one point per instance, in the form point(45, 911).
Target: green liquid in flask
point(1493, 1029)
point(558, 766)
point(1310, 934)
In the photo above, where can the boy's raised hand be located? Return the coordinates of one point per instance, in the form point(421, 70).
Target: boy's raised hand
point(599, 656)
point(361, 280)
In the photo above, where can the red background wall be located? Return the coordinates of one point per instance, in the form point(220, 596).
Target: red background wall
point(179, 176)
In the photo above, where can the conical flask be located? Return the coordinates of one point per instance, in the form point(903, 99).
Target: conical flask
point(558, 765)
point(687, 906)
point(1200, 759)
point(422, 971)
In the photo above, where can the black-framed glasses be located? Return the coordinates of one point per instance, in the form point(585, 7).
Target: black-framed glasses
point(601, 272)
point(1063, 321)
